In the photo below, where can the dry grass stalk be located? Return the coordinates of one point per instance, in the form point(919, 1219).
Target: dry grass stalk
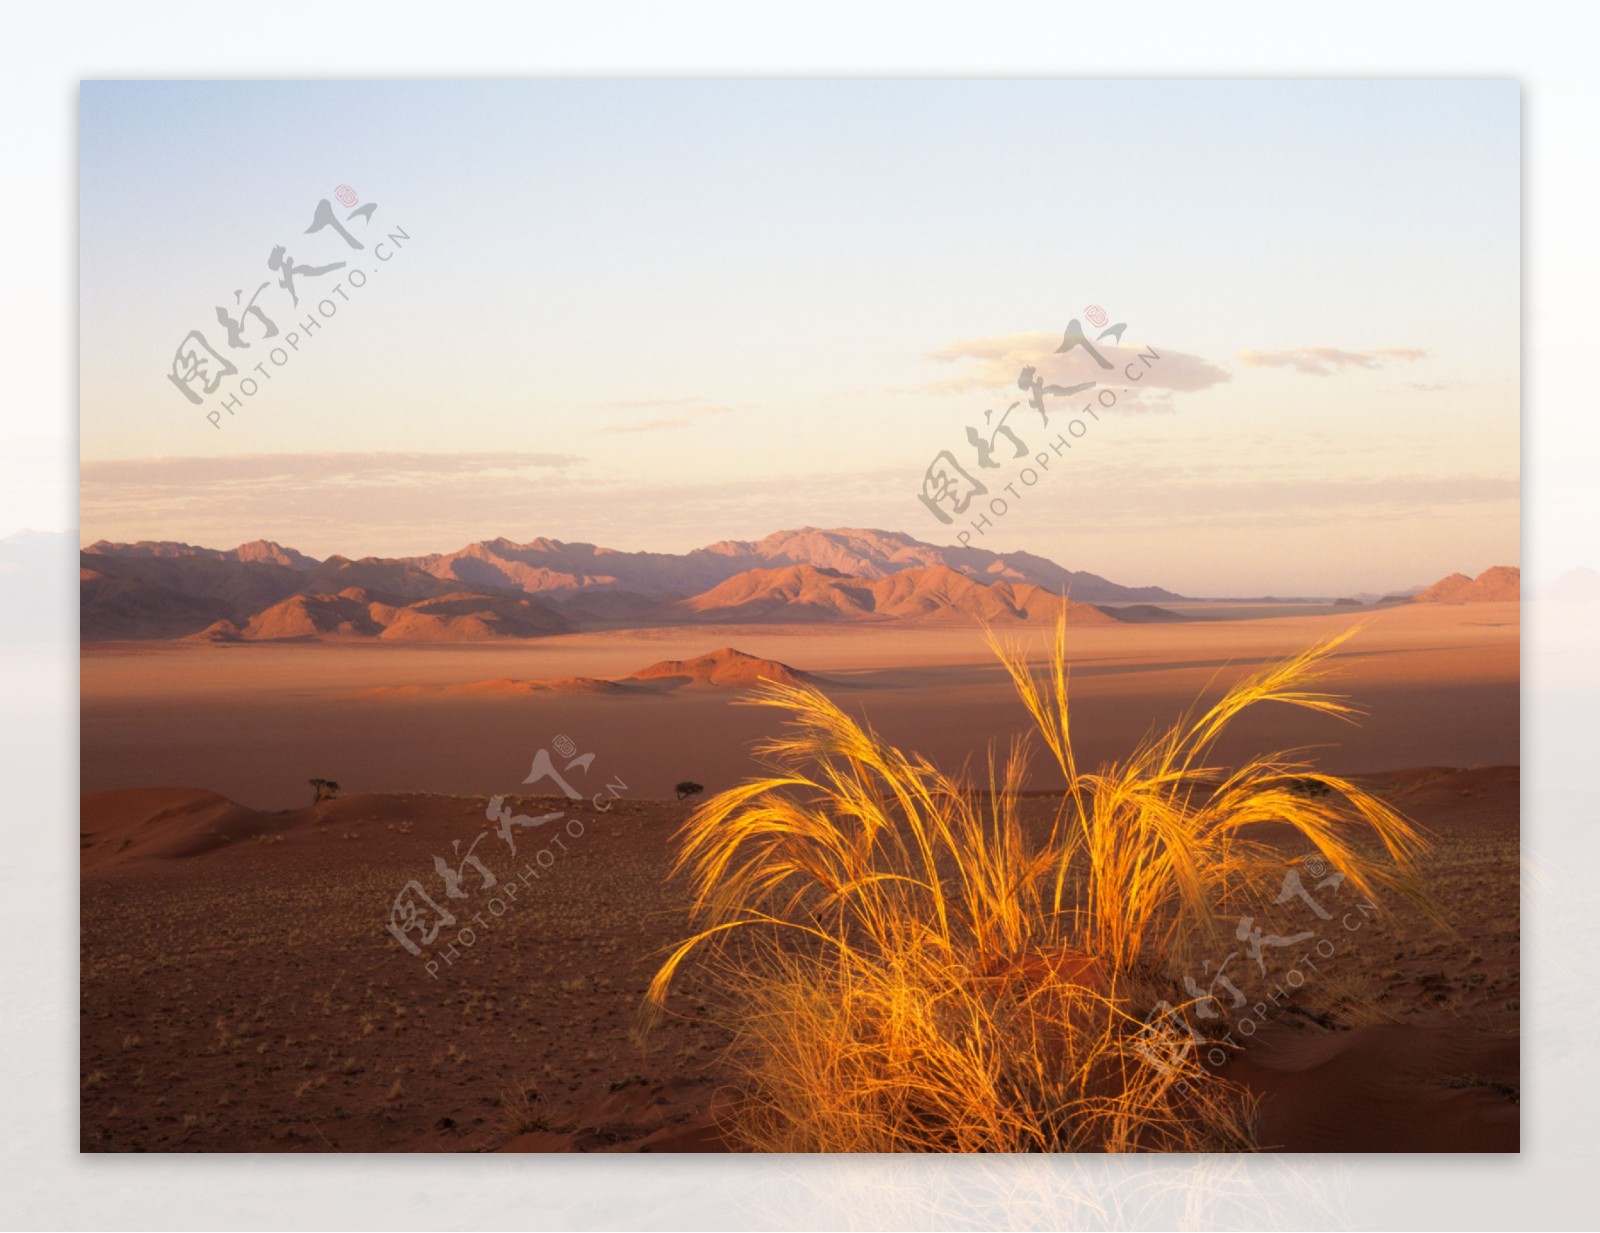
point(913, 971)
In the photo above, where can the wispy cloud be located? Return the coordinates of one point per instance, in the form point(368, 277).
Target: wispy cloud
point(659, 424)
point(691, 407)
point(1129, 497)
point(321, 517)
point(1325, 361)
point(1216, 487)
point(315, 502)
point(310, 468)
point(649, 404)
point(995, 363)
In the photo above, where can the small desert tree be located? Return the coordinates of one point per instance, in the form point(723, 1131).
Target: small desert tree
point(688, 788)
point(325, 789)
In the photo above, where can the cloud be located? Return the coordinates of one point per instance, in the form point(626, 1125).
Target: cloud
point(317, 502)
point(691, 408)
point(1325, 361)
point(995, 363)
point(649, 404)
point(1213, 483)
point(655, 425)
point(397, 504)
point(1141, 498)
point(295, 469)
point(439, 512)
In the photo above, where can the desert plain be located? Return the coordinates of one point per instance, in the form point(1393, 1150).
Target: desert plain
point(240, 990)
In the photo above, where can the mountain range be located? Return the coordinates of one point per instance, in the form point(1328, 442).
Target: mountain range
point(264, 591)
point(496, 588)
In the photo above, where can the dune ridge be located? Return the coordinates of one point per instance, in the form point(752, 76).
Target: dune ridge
point(725, 668)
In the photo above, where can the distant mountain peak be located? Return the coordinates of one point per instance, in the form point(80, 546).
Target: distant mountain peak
point(1497, 583)
point(261, 550)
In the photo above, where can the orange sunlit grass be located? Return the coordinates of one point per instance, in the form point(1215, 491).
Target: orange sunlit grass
point(912, 967)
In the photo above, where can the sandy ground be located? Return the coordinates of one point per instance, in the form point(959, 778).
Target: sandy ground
point(247, 996)
point(254, 722)
point(239, 991)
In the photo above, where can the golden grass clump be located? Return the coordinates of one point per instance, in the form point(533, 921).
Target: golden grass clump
point(911, 967)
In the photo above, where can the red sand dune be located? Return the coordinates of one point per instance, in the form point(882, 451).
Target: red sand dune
point(723, 668)
point(726, 668)
point(557, 685)
point(168, 823)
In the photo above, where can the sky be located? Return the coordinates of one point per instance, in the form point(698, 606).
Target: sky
point(655, 315)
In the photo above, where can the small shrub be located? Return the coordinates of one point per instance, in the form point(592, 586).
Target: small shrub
point(909, 969)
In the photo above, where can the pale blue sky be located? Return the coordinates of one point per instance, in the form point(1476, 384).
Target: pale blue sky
point(686, 311)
